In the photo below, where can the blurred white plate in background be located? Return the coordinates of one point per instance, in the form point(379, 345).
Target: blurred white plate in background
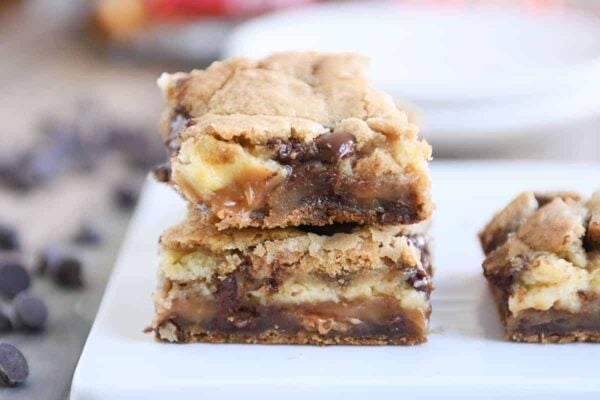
point(471, 70)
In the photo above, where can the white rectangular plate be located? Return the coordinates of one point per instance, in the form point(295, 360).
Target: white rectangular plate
point(465, 357)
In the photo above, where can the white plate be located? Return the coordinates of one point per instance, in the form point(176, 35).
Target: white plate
point(481, 75)
point(465, 357)
point(437, 54)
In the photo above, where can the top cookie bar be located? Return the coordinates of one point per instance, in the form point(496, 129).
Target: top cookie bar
point(294, 139)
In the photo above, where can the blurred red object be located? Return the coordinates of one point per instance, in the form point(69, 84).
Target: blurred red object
point(121, 20)
point(190, 8)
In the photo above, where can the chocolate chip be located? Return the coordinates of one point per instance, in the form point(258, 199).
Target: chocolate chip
point(31, 312)
point(87, 235)
point(125, 196)
point(162, 172)
point(30, 170)
point(47, 257)
point(329, 230)
point(418, 279)
point(14, 369)
point(5, 322)
point(66, 272)
point(14, 278)
point(243, 318)
point(335, 146)
point(226, 293)
point(292, 151)
point(418, 241)
point(179, 121)
point(9, 238)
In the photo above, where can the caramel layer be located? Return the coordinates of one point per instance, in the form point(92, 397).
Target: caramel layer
point(362, 319)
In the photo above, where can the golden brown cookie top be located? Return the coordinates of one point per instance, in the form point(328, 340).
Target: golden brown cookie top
point(300, 94)
point(558, 226)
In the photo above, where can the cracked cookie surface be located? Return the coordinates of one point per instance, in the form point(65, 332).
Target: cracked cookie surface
point(543, 263)
point(293, 139)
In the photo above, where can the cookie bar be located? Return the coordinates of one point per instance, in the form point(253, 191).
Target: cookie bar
point(330, 285)
point(294, 139)
point(543, 265)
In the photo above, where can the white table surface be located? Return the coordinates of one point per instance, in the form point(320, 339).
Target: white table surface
point(465, 356)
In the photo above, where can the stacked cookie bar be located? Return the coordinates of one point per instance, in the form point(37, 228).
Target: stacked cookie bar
point(309, 201)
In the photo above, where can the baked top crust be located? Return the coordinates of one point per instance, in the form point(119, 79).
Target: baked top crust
point(299, 94)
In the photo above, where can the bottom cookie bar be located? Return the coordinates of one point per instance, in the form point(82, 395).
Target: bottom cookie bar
point(543, 264)
point(333, 285)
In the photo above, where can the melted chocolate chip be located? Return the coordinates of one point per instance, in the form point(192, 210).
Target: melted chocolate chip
point(272, 285)
point(14, 278)
point(418, 241)
point(243, 318)
point(418, 279)
point(226, 293)
point(328, 230)
point(292, 151)
point(335, 146)
point(14, 369)
point(31, 312)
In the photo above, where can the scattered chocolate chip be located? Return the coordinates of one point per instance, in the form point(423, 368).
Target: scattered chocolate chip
point(30, 170)
point(162, 172)
point(47, 257)
point(66, 272)
point(14, 278)
point(140, 150)
point(87, 235)
point(31, 312)
point(5, 322)
point(9, 238)
point(335, 146)
point(14, 369)
point(125, 196)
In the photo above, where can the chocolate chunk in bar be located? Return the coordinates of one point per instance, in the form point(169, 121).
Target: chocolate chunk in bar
point(335, 146)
